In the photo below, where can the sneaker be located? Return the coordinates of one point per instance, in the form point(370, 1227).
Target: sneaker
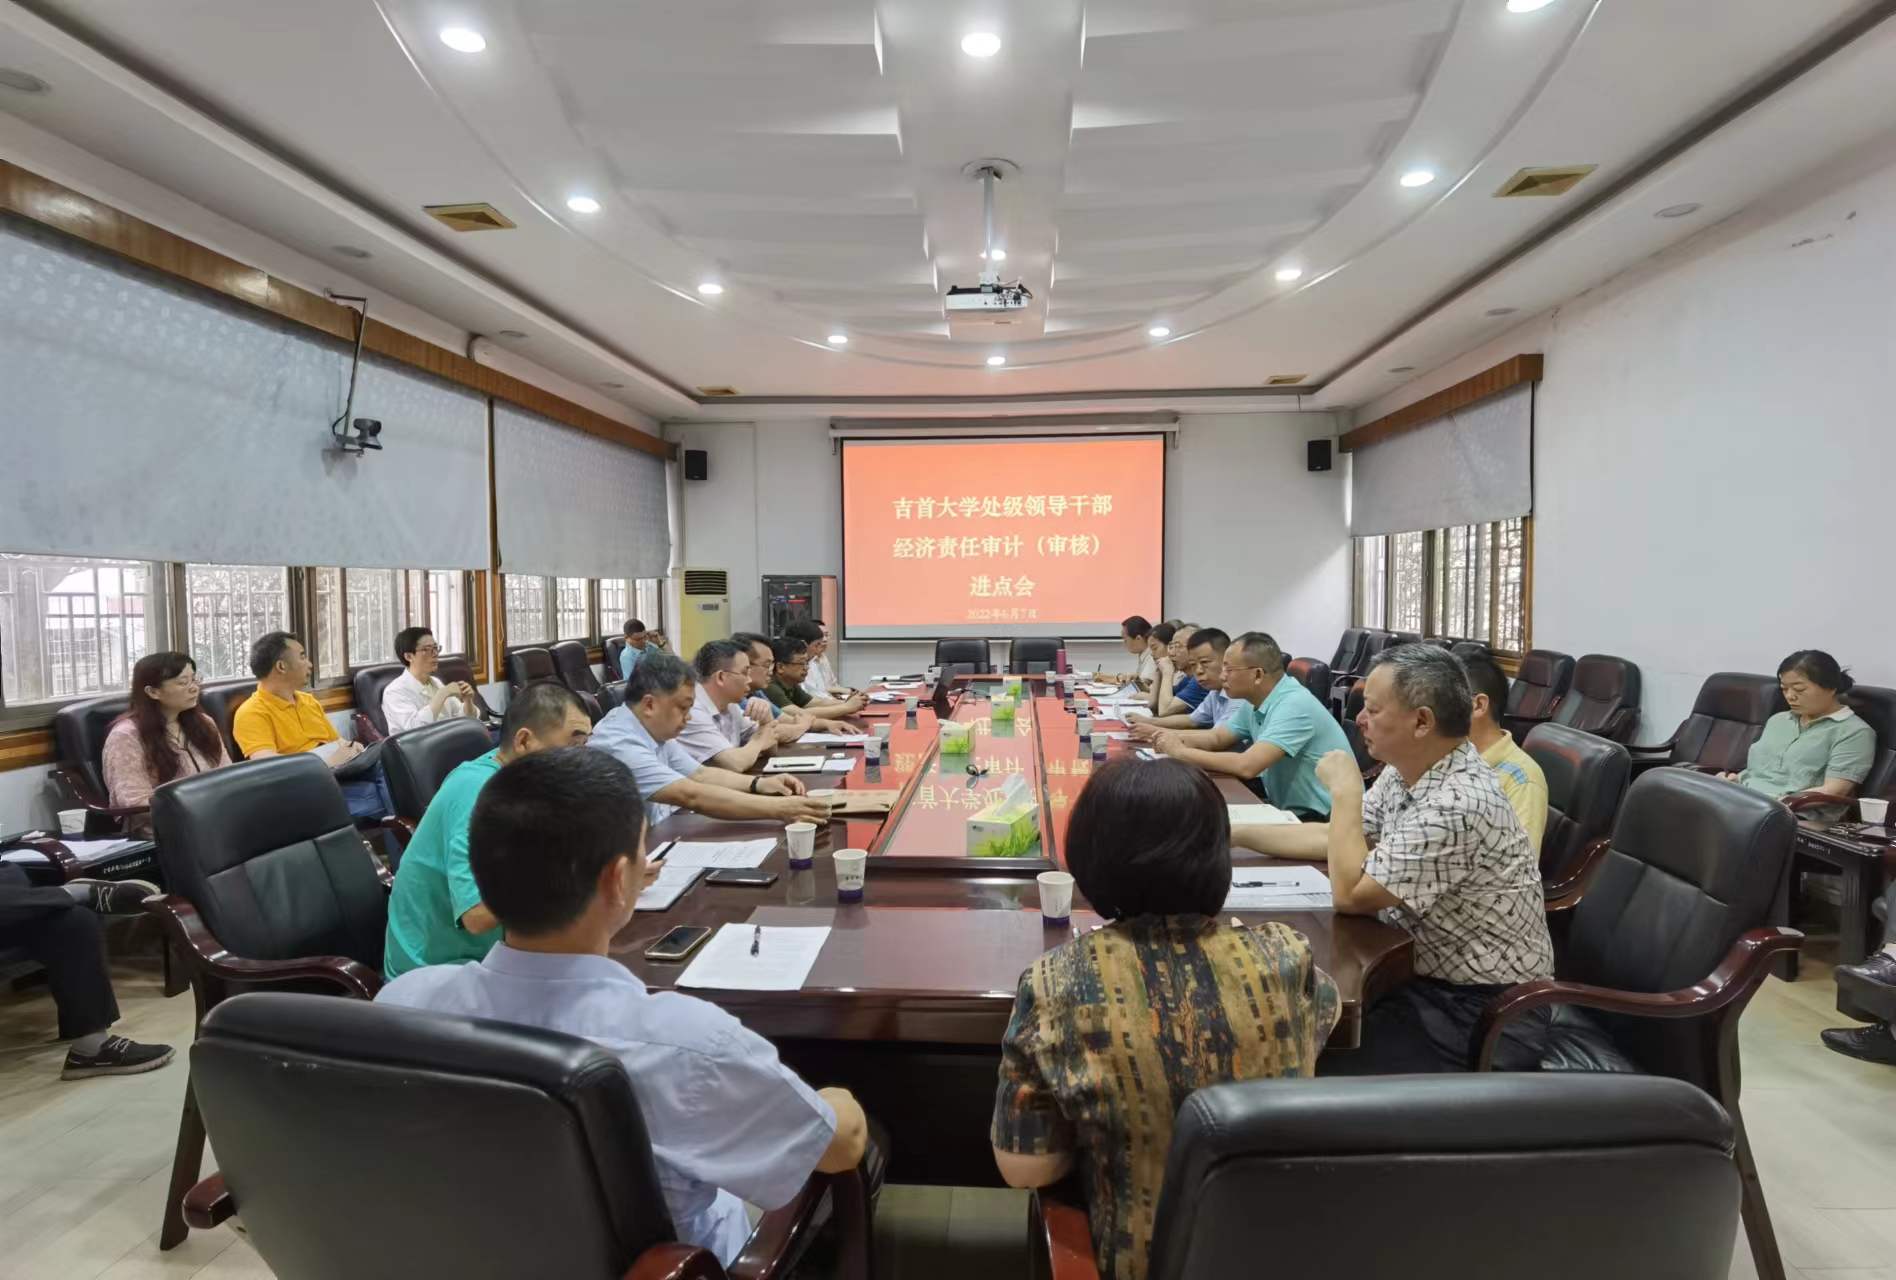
point(116, 897)
point(116, 1057)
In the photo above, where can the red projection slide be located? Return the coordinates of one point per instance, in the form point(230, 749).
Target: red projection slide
point(1014, 537)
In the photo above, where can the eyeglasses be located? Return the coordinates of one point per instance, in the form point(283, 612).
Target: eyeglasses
point(427, 648)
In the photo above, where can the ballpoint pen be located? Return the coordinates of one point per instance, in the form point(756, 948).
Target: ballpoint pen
point(757, 938)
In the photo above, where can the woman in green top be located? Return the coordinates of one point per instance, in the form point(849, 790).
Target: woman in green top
point(1113, 1030)
point(1820, 744)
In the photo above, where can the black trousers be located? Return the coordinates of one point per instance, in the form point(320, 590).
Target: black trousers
point(68, 942)
point(1429, 1025)
point(1889, 915)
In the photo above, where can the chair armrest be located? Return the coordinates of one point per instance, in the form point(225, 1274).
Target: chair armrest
point(1060, 1226)
point(194, 941)
point(1735, 978)
point(779, 1234)
point(403, 829)
point(52, 849)
point(1803, 801)
point(675, 1262)
point(208, 1203)
point(1565, 894)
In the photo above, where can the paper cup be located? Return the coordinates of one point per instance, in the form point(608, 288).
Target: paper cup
point(908, 706)
point(1874, 811)
point(1056, 896)
point(851, 866)
point(872, 751)
point(72, 822)
point(1100, 743)
point(883, 731)
point(802, 838)
point(1086, 725)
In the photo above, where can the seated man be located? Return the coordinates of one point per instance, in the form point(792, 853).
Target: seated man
point(1204, 658)
point(1276, 730)
point(757, 707)
point(718, 731)
point(282, 718)
point(635, 642)
point(1186, 691)
point(1877, 1041)
point(415, 697)
point(642, 734)
point(1135, 633)
point(1522, 781)
point(435, 912)
point(790, 664)
point(557, 849)
point(819, 681)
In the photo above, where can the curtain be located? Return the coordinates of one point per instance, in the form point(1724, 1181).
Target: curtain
point(573, 505)
point(1467, 467)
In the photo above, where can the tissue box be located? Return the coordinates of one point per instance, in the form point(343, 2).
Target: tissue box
point(1001, 710)
point(1009, 827)
point(956, 739)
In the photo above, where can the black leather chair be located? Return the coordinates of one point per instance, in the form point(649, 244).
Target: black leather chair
point(1403, 637)
point(526, 665)
point(270, 885)
point(79, 730)
point(1536, 690)
point(1370, 641)
point(1311, 674)
point(1878, 709)
point(1032, 655)
point(416, 762)
point(221, 700)
point(574, 667)
point(1665, 946)
point(460, 669)
point(1349, 649)
point(614, 651)
point(1727, 717)
point(370, 683)
point(1586, 780)
point(1353, 707)
point(1470, 649)
point(372, 1140)
point(1608, 1176)
point(1603, 699)
point(963, 657)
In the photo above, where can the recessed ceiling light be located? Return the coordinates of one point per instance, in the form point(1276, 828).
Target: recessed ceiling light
point(21, 80)
point(1158, 331)
point(513, 334)
point(582, 204)
point(1000, 255)
point(1677, 210)
point(710, 288)
point(1501, 311)
point(1527, 6)
point(1403, 368)
point(351, 251)
point(613, 386)
point(1286, 275)
point(839, 339)
point(1417, 178)
point(463, 39)
point(997, 361)
point(980, 44)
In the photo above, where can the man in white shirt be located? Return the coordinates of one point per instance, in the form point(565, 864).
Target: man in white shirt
point(820, 681)
point(719, 732)
point(415, 697)
point(1136, 634)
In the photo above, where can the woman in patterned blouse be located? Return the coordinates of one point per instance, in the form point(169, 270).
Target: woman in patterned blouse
point(1114, 1030)
point(164, 734)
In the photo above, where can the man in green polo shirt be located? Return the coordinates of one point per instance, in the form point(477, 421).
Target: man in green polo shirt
point(785, 690)
point(1276, 730)
point(435, 913)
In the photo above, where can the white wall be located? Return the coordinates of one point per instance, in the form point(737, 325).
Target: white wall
point(1252, 538)
point(1713, 442)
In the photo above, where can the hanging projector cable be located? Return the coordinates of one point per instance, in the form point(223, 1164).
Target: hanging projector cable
point(362, 434)
point(990, 295)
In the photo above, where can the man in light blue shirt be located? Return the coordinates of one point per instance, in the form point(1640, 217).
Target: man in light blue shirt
point(1275, 730)
point(1204, 659)
point(557, 847)
point(629, 657)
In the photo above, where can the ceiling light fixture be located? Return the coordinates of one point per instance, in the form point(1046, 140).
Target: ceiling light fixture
point(1527, 6)
point(1158, 331)
point(1501, 311)
point(1288, 275)
point(23, 81)
point(999, 255)
point(710, 288)
point(582, 204)
point(463, 39)
point(1677, 210)
point(980, 44)
point(351, 251)
point(1417, 178)
point(839, 339)
point(996, 362)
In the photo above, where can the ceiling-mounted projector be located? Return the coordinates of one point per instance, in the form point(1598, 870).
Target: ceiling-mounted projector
point(988, 296)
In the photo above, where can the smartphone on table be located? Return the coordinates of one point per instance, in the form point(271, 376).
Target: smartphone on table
point(742, 877)
point(678, 943)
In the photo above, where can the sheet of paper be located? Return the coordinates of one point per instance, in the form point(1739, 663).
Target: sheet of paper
point(1147, 753)
point(833, 739)
point(795, 764)
point(784, 957)
point(327, 751)
point(719, 853)
point(839, 764)
point(1100, 690)
point(898, 688)
point(1259, 815)
point(1114, 737)
point(1278, 889)
point(87, 851)
point(670, 886)
point(885, 697)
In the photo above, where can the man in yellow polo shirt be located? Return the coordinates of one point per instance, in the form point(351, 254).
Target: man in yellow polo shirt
point(1522, 781)
point(282, 718)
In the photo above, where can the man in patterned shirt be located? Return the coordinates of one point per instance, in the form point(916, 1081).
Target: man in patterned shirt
point(1435, 849)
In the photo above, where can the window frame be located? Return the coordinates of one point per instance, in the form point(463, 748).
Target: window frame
point(158, 614)
point(469, 623)
point(1435, 548)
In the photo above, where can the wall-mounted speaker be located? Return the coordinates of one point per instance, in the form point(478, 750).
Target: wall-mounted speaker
point(698, 464)
point(1317, 455)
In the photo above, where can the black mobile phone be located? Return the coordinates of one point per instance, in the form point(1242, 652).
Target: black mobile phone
point(679, 943)
point(742, 878)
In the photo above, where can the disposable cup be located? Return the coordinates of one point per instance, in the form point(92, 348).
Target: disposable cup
point(1874, 811)
point(908, 705)
point(872, 751)
point(72, 822)
point(1056, 896)
point(883, 731)
point(851, 866)
point(1086, 726)
point(802, 838)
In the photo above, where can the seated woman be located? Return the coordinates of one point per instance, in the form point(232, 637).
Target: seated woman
point(1819, 744)
point(1113, 1030)
point(164, 734)
point(415, 697)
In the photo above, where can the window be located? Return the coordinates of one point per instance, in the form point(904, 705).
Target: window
point(615, 604)
point(526, 610)
point(573, 617)
point(648, 603)
point(72, 626)
point(447, 608)
point(228, 606)
point(1468, 582)
point(376, 604)
point(359, 612)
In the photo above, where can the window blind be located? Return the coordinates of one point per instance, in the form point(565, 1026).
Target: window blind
point(573, 505)
point(1467, 467)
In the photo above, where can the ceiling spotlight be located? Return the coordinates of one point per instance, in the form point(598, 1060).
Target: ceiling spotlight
point(980, 44)
point(1158, 331)
point(996, 361)
point(1527, 6)
point(463, 39)
point(1677, 210)
point(1500, 311)
point(999, 255)
point(710, 288)
point(582, 204)
point(513, 334)
point(1403, 368)
point(1417, 178)
point(839, 339)
point(21, 80)
point(351, 251)
point(1286, 275)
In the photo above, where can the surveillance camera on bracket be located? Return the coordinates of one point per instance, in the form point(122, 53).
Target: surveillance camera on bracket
point(362, 434)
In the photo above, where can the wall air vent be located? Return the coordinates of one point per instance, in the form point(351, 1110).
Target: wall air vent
point(1555, 181)
point(717, 391)
point(1285, 379)
point(469, 217)
point(707, 582)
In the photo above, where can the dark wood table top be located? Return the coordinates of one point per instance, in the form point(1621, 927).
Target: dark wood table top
point(934, 955)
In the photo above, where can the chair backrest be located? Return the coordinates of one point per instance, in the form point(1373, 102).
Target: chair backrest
point(1603, 699)
point(1611, 1174)
point(574, 667)
point(524, 666)
point(1469, 649)
point(1878, 709)
point(355, 1138)
point(80, 728)
point(1403, 637)
point(1349, 647)
point(1374, 642)
point(416, 762)
point(1536, 688)
point(221, 701)
point(1694, 863)
point(1031, 655)
point(1353, 707)
point(271, 859)
point(370, 683)
point(1727, 717)
point(972, 656)
point(1586, 780)
point(453, 669)
point(615, 649)
point(1312, 675)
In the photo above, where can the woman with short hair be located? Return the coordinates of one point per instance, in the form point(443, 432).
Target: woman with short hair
point(164, 734)
point(1819, 743)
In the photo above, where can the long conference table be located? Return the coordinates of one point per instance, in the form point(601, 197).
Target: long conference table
point(909, 999)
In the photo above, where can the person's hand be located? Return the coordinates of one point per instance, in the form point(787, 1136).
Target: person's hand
point(439, 698)
point(789, 728)
point(344, 753)
point(851, 705)
point(1168, 742)
point(463, 690)
point(782, 784)
point(1729, 777)
point(801, 808)
point(651, 874)
point(1143, 730)
point(1339, 775)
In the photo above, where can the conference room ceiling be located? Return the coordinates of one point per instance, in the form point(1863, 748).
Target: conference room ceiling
point(1175, 159)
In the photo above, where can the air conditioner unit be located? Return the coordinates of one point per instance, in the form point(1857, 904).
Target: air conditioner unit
point(704, 610)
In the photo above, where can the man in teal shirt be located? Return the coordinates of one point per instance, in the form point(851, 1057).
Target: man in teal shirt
point(435, 914)
point(1276, 730)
